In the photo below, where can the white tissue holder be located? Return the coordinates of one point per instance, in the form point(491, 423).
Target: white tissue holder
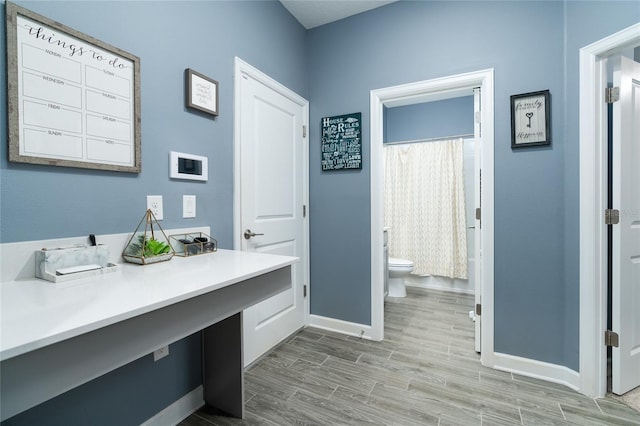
point(50, 262)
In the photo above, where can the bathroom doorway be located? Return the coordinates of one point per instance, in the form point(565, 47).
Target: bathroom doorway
point(418, 93)
point(431, 192)
point(430, 168)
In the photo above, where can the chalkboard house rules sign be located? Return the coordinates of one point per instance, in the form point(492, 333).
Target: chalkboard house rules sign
point(342, 142)
point(74, 101)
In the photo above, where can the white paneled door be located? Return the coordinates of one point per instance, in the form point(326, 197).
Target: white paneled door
point(273, 181)
point(477, 235)
point(626, 234)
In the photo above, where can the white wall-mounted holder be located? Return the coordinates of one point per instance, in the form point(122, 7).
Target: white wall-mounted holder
point(188, 166)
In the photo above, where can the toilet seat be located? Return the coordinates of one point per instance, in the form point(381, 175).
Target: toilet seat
point(400, 263)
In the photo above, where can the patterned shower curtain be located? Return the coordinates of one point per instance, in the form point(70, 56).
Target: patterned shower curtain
point(424, 206)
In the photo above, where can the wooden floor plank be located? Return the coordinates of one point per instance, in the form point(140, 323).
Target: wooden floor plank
point(425, 372)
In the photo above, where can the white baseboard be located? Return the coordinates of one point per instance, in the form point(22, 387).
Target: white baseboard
point(537, 369)
point(340, 326)
point(438, 287)
point(432, 282)
point(179, 410)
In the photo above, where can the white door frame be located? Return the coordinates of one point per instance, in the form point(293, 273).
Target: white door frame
point(412, 93)
point(240, 68)
point(593, 202)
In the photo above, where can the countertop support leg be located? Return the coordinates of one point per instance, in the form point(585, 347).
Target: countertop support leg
point(223, 366)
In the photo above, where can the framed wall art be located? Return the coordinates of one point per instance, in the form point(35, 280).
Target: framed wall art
point(202, 92)
point(531, 119)
point(73, 100)
point(341, 142)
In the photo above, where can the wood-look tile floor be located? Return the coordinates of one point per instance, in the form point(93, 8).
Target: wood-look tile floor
point(425, 372)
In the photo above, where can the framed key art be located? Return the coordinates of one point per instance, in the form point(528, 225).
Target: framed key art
point(530, 119)
point(74, 101)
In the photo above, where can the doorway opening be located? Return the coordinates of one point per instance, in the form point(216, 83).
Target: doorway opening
point(431, 192)
point(594, 263)
point(623, 239)
point(415, 93)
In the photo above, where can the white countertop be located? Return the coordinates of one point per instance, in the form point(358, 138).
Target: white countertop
point(35, 313)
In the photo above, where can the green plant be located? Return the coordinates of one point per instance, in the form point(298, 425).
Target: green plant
point(148, 248)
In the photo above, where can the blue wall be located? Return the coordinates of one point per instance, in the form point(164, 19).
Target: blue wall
point(41, 202)
point(168, 37)
point(335, 67)
point(536, 234)
point(448, 117)
point(419, 43)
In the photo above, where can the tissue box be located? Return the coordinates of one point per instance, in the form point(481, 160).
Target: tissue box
point(63, 264)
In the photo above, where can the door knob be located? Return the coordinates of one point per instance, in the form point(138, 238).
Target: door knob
point(248, 234)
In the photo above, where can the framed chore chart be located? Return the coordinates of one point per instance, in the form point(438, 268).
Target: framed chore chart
point(73, 100)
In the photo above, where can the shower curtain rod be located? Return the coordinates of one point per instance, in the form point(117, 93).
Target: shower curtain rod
point(441, 138)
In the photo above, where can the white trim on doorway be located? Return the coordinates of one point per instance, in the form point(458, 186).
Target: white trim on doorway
point(593, 202)
point(413, 93)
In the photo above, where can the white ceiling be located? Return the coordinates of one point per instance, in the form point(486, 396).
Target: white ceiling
point(313, 13)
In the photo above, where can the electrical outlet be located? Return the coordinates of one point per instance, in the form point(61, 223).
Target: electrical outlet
point(154, 203)
point(160, 353)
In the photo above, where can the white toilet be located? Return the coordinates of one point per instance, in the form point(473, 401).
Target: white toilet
point(398, 270)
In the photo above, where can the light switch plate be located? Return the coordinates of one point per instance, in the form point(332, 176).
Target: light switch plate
point(188, 206)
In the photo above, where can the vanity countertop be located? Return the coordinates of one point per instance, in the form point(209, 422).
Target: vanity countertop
point(35, 313)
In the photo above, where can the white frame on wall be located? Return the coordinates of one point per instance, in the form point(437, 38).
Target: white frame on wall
point(419, 92)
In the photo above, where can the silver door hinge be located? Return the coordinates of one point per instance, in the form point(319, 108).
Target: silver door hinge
point(304, 131)
point(611, 217)
point(611, 94)
point(478, 213)
point(304, 290)
point(304, 210)
point(611, 338)
point(478, 309)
